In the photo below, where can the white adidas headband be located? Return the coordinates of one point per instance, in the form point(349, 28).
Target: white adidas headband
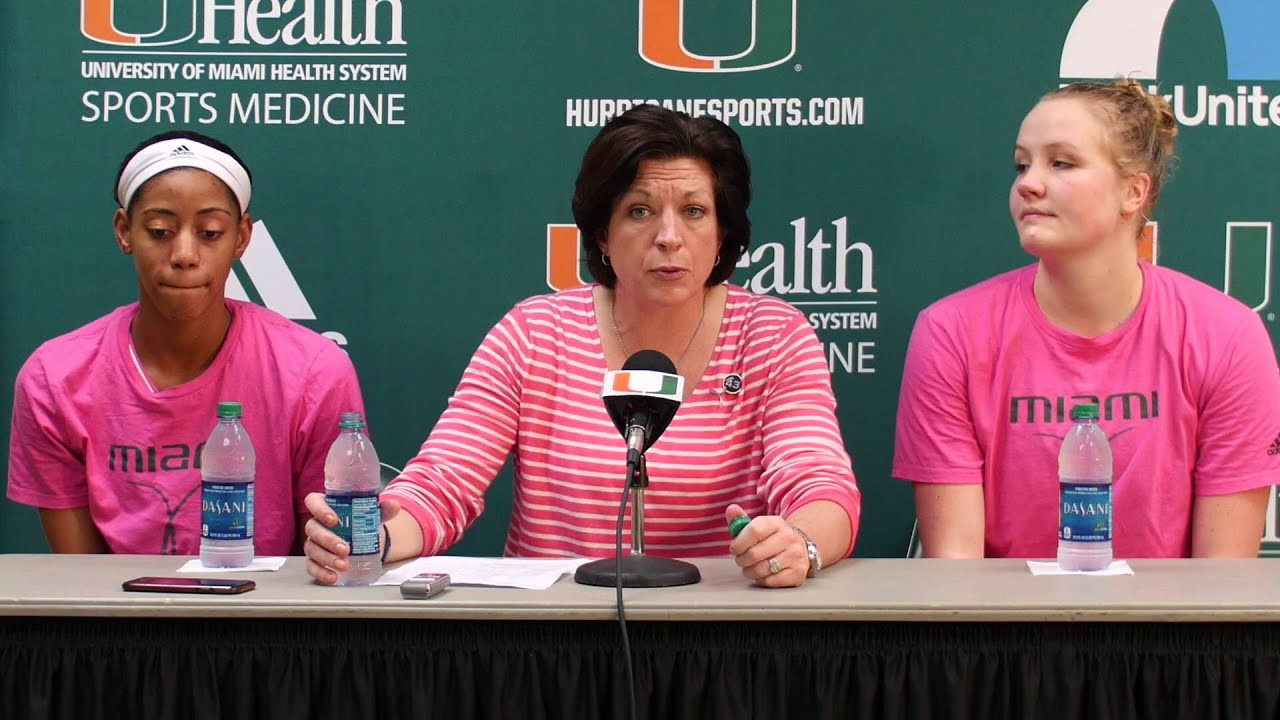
point(182, 152)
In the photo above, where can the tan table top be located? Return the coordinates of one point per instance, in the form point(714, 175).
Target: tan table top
point(866, 590)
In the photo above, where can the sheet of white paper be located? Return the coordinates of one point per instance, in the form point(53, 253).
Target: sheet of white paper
point(528, 573)
point(1117, 567)
point(259, 564)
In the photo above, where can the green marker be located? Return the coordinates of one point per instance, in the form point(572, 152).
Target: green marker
point(736, 524)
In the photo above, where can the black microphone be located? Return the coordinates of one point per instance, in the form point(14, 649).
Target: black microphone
point(642, 399)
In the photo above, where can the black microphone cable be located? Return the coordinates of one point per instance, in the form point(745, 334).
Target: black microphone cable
point(622, 614)
point(649, 361)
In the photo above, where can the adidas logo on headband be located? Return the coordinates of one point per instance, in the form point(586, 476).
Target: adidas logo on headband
point(166, 154)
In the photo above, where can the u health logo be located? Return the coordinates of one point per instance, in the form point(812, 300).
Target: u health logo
point(663, 32)
point(243, 22)
point(177, 23)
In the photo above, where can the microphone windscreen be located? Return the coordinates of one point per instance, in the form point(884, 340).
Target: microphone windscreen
point(647, 390)
point(650, 360)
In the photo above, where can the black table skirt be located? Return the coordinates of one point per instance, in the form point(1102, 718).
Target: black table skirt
point(320, 668)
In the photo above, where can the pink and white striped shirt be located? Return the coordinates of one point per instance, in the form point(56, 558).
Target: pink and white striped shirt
point(534, 385)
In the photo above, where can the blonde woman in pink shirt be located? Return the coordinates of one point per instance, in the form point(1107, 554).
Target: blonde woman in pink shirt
point(1185, 376)
point(661, 201)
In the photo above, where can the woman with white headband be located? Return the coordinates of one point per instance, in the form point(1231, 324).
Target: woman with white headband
point(109, 420)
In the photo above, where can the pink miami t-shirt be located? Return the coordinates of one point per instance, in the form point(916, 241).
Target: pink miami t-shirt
point(1188, 392)
point(89, 431)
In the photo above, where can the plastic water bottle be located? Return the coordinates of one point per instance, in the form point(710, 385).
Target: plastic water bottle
point(1084, 483)
point(226, 492)
point(351, 485)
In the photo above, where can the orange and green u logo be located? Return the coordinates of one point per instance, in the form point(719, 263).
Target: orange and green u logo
point(177, 23)
point(648, 383)
point(772, 41)
point(564, 257)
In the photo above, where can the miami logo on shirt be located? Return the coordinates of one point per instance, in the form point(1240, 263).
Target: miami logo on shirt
point(1122, 405)
point(174, 457)
point(1032, 409)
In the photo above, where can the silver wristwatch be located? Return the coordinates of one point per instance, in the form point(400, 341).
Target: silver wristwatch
point(815, 559)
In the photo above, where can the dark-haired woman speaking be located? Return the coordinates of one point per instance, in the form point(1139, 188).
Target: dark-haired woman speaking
point(661, 201)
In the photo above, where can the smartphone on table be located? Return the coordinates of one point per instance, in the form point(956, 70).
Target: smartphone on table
point(216, 586)
point(424, 585)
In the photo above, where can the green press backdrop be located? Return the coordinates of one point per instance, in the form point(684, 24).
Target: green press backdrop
point(414, 161)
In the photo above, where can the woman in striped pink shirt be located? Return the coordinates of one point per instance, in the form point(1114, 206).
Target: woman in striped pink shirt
point(661, 201)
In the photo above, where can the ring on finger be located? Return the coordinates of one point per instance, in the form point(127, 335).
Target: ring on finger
point(775, 567)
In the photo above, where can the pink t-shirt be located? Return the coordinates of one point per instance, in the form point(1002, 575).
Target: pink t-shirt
point(88, 431)
point(759, 430)
point(1188, 392)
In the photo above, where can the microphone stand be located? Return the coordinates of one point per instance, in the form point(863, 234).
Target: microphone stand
point(638, 569)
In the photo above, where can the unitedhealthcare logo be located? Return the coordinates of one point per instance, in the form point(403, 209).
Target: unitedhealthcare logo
point(274, 282)
point(663, 32)
point(1122, 37)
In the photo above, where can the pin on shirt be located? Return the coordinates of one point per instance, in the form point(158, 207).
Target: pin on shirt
point(730, 386)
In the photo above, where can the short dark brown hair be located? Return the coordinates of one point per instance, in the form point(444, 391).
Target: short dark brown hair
point(651, 132)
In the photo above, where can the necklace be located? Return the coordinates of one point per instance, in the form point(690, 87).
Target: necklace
point(613, 315)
